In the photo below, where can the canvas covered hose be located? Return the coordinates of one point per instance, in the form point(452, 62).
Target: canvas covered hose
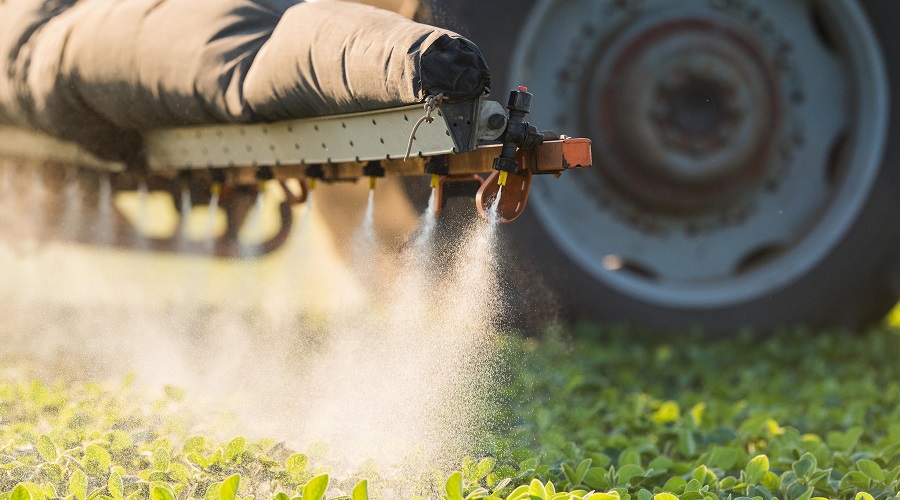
point(99, 72)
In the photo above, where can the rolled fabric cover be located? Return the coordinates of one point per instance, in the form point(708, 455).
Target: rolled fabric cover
point(101, 71)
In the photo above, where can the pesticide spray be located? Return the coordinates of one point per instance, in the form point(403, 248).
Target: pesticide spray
point(384, 361)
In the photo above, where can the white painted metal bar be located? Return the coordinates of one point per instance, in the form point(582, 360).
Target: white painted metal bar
point(375, 135)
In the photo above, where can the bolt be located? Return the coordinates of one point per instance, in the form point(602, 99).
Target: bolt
point(496, 121)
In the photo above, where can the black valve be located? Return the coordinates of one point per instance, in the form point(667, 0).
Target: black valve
point(265, 174)
point(315, 171)
point(438, 166)
point(373, 169)
point(519, 133)
point(217, 176)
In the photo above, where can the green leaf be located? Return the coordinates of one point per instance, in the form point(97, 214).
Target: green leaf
point(687, 443)
point(582, 469)
point(536, 490)
point(503, 483)
point(315, 488)
point(723, 458)
point(235, 448)
point(478, 494)
point(596, 478)
point(805, 466)
point(360, 491)
point(213, 491)
point(161, 492)
point(771, 481)
point(36, 492)
point(194, 444)
point(569, 472)
point(844, 441)
point(48, 490)
point(484, 467)
point(611, 495)
point(693, 485)
point(97, 459)
point(20, 492)
point(296, 466)
point(757, 468)
point(282, 496)
point(675, 485)
point(229, 488)
point(854, 479)
point(46, 448)
point(453, 487)
point(629, 456)
point(115, 486)
point(216, 457)
point(161, 459)
point(871, 469)
point(78, 484)
point(520, 493)
point(627, 472)
point(667, 412)
point(705, 476)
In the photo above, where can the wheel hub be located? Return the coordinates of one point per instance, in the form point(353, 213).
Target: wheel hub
point(688, 110)
point(822, 131)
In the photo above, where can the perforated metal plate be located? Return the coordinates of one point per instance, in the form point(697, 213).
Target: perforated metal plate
point(376, 135)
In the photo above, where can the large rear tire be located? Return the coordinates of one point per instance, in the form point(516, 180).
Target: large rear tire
point(745, 157)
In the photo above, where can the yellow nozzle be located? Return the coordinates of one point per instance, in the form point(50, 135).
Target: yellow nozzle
point(435, 181)
point(312, 183)
point(372, 182)
point(216, 189)
point(501, 179)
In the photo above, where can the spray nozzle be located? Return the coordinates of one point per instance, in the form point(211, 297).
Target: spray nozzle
point(184, 179)
point(437, 167)
point(262, 175)
point(265, 174)
point(314, 173)
point(373, 170)
point(218, 180)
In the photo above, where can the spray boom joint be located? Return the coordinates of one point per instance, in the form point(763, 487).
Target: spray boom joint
point(519, 133)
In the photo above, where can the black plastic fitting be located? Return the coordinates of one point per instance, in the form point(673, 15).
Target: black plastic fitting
point(265, 174)
point(373, 169)
point(437, 166)
point(217, 175)
point(315, 171)
point(519, 133)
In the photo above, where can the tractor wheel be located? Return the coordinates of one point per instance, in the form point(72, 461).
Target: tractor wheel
point(745, 156)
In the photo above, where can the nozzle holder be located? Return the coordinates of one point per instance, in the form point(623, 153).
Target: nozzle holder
point(519, 133)
point(373, 169)
point(438, 165)
point(217, 176)
point(265, 174)
point(315, 171)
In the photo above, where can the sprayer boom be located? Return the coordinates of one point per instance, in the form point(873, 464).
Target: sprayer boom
point(452, 142)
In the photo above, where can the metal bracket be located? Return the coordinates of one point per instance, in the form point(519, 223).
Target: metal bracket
point(462, 121)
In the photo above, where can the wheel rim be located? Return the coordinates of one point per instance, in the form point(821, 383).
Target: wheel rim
point(736, 141)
